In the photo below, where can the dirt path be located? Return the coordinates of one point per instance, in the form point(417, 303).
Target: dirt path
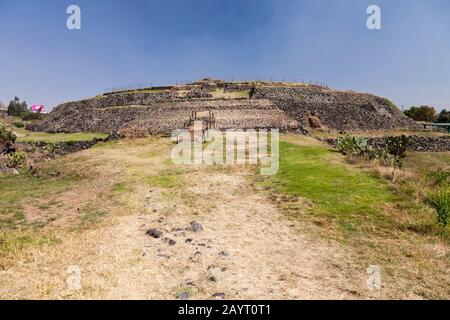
point(245, 250)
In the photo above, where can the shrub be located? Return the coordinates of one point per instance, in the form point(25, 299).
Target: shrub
point(391, 153)
point(51, 147)
point(352, 146)
point(440, 200)
point(19, 124)
point(6, 135)
point(395, 148)
point(7, 139)
point(16, 160)
point(29, 116)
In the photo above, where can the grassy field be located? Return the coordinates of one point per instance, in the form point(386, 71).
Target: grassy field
point(18, 189)
point(357, 194)
point(336, 190)
point(28, 136)
point(321, 215)
point(388, 224)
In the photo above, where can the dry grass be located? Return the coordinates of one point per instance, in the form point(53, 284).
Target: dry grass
point(401, 237)
point(266, 256)
point(221, 94)
point(274, 248)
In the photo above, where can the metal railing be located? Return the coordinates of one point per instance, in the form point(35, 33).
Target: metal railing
point(140, 86)
point(261, 79)
point(437, 125)
point(144, 86)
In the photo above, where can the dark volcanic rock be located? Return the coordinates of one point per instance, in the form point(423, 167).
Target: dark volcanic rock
point(154, 233)
point(224, 254)
point(282, 106)
point(60, 148)
point(195, 227)
point(170, 241)
point(199, 93)
point(429, 144)
point(337, 110)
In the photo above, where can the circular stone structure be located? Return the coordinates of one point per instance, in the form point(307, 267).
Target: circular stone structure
point(235, 105)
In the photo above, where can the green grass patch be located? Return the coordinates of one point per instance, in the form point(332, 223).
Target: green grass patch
point(440, 200)
point(336, 190)
point(440, 178)
point(28, 136)
point(171, 180)
point(15, 189)
point(427, 161)
point(14, 241)
point(154, 91)
point(49, 205)
point(90, 215)
point(241, 94)
point(220, 93)
point(390, 104)
point(121, 187)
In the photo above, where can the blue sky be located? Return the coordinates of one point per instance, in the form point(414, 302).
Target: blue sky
point(161, 42)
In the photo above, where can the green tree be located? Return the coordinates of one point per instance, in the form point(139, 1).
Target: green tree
point(422, 113)
point(395, 147)
point(17, 108)
point(444, 117)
